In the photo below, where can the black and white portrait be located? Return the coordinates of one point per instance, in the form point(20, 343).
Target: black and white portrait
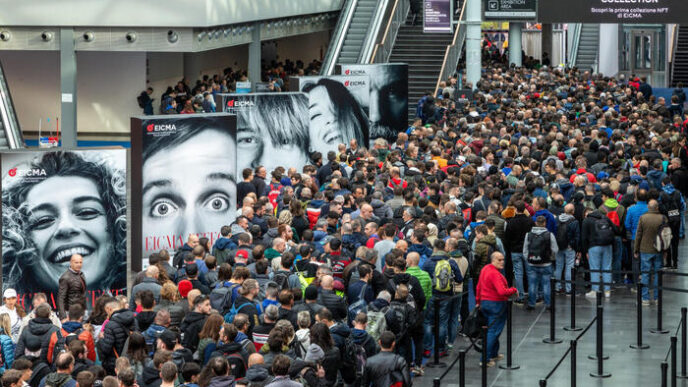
point(59, 203)
point(335, 111)
point(388, 107)
point(188, 179)
point(272, 129)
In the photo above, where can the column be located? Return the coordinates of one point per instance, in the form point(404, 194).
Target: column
point(67, 88)
point(473, 39)
point(254, 57)
point(546, 41)
point(515, 48)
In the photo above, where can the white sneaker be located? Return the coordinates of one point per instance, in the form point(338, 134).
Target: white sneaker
point(591, 294)
point(607, 294)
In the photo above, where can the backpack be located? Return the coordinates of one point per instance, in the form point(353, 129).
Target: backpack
point(539, 248)
point(442, 278)
point(221, 298)
point(396, 321)
point(394, 377)
point(604, 234)
point(72, 336)
point(563, 240)
point(282, 280)
point(614, 217)
point(353, 355)
point(671, 206)
point(663, 237)
point(233, 311)
point(376, 323)
point(139, 99)
point(409, 299)
point(274, 193)
point(359, 305)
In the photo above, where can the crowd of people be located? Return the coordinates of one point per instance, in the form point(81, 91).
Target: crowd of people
point(185, 98)
point(329, 275)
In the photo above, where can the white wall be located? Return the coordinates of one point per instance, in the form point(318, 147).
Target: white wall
point(609, 49)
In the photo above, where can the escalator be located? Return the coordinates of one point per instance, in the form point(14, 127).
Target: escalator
point(679, 71)
point(10, 133)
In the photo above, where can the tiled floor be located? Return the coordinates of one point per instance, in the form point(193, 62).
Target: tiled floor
point(629, 367)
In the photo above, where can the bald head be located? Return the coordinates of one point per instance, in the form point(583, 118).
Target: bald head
point(326, 282)
point(412, 259)
point(76, 262)
point(255, 358)
point(401, 245)
point(569, 209)
point(653, 205)
point(152, 272)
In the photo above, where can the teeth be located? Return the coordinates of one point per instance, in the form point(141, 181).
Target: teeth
point(69, 252)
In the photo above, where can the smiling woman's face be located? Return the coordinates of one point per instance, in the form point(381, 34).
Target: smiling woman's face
point(66, 217)
point(190, 188)
point(324, 133)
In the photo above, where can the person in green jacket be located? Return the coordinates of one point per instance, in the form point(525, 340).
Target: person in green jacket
point(412, 260)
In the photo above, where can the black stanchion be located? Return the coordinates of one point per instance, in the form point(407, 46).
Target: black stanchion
point(660, 281)
point(574, 345)
point(673, 361)
point(552, 339)
point(436, 382)
point(543, 382)
point(509, 364)
point(436, 363)
point(683, 344)
point(598, 295)
point(639, 323)
point(483, 365)
point(599, 343)
point(664, 368)
point(462, 368)
point(573, 326)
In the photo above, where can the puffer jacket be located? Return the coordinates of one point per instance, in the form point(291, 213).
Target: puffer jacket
point(122, 323)
point(378, 367)
point(71, 290)
point(381, 209)
point(258, 376)
point(176, 311)
point(333, 303)
point(191, 326)
point(7, 347)
point(34, 341)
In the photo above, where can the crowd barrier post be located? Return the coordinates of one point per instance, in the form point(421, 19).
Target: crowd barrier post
point(598, 295)
point(660, 283)
point(683, 344)
point(599, 343)
point(639, 319)
point(573, 327)
point(664, 368)
point(484, 357)
point(509, 365)
point(543, 382)
point(462, 368)
point(574, 346)
point(673, 360)
point(436, 331)
point(436, 382)
point(552, 338)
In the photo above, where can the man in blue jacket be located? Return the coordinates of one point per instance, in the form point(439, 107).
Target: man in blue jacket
point(540, 207)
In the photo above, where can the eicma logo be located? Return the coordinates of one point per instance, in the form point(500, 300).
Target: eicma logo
point(234, 103)
point(161, 128)
point(354, 72)
point(26, 172)
point(353, 83)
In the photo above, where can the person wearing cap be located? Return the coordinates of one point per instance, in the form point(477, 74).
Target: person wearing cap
point(194, 321)
point(72, 286)
point(14, 310)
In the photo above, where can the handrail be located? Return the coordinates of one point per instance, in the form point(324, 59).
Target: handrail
point(340, 32)
point(453, 53)
point(372, 33)
point(10, 122)
point(578, 27)
point(672, 54)
point(382, 50)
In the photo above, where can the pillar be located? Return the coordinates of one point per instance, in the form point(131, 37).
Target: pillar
point(515, 31)
point(546, 41)
point(473, 39)
point(67, 88)
point(254, 57)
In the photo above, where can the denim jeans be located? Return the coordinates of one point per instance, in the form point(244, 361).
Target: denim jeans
point(429, 335)
point(565, 261)
point(539, 276)
point(600, 258)
point(649, 262)
point(520, 268)
point(616, 259)
point(495, 313)
point(454, 311)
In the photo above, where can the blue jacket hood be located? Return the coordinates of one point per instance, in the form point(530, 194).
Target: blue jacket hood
point(71, 326)
point(223, 243)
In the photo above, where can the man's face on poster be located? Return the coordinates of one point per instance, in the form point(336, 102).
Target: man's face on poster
point(388, 101)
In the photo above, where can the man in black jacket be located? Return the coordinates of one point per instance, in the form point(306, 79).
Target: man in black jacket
point(386, 368)
point(514, 235)
point(34, 341)
point(194, 321)
point(330, 300)
point(72, 286)
point(121, 325)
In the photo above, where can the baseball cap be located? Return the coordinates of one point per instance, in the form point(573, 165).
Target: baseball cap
point(9, 293)
point(242, 254)
point(169, 338)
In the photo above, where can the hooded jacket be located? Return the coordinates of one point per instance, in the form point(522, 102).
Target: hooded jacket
point(85, 336)
point(122, 323)
point(551, 220)
point(55, 379)
point(362, 338)
point(34, 339)
point(655, 177)
point(222, 381)
point(515, 232)
point(381, 209)
point(191, 326)
point(258, 376)
point(588, 238)
point(150, 377)
point(233, 348)
point(572, 231)
point(633, 217)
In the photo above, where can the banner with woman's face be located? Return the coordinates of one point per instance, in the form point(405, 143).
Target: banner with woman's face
point(183, 179)
point(59, 203)
point(272, 129)
point(335, 110)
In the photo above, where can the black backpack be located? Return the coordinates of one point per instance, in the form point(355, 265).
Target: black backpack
point(140, 100)
point(351, 360)
point(396, 320)
point(603, 231)
point(671, 206)
point(539, 248)
point(221, 297)
point(563, 237)
point(282, 280)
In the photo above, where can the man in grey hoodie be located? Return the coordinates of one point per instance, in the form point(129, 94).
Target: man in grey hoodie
point(539, 247)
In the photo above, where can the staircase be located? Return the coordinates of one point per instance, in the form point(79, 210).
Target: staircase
point(424, 54)
point(679, 72)
point(588, 46)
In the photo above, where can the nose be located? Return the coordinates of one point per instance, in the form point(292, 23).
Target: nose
point(374, 110)
point(66, 228)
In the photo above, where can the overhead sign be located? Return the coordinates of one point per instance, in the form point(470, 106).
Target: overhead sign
point(613, 11)
point(437, 16)
point(512, 9)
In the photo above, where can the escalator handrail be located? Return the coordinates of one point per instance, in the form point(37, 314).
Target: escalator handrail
point(7, 114)
point(340, 33)
point(398, 16)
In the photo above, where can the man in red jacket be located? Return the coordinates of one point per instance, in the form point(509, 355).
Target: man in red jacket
point(492, 293)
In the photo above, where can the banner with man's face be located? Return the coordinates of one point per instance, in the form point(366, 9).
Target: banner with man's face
point(388, 103)
point(57, 204)
point(183, 179)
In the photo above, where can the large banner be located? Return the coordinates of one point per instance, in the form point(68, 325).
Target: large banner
point(183, 180)
point(59, 203)
point(388, 105)
point(511, 9)
point(613, 11)
point(335, 109)
point(437, 16)
point(273, 129)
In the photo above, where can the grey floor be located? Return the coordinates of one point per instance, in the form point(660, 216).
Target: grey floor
point(629, 367)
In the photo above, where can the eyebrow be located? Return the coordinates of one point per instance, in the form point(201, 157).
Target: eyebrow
point(155, 184)
point(221, 176)
point(77, 200)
